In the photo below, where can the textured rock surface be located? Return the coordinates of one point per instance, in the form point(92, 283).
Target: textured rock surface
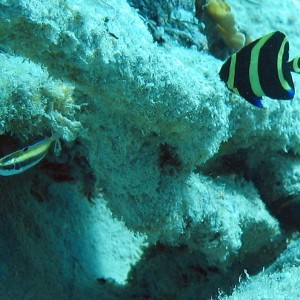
point(276, 282)
point(161, 145)
point(30, 98)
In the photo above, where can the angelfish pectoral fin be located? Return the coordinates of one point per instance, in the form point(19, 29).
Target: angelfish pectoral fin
point(290, 94)
point(255, 101)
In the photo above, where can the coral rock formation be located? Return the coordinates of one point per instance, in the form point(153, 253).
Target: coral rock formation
point(159, 151)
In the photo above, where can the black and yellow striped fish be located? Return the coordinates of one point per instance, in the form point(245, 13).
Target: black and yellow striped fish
point(21, 160)
point(262, 69)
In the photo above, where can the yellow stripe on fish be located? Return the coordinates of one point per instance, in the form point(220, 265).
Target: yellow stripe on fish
point(262, 69)
point(21, 160)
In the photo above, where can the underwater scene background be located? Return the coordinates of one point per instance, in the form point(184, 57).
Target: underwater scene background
point(131, 167)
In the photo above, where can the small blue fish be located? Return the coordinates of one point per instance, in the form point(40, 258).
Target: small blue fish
point(21, 160)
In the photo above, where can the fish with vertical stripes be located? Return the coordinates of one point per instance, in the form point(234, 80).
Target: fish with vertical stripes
point(262, 68)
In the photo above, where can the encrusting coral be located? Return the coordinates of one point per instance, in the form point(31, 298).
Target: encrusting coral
point(33, 100)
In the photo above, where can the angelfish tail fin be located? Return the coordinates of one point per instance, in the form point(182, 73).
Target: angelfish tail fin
point(294, 64)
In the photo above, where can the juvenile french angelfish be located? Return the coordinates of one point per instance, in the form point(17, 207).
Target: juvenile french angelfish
point(262, 69)
point(21, 160)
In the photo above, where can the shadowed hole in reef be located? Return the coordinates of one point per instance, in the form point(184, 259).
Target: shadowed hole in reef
point(287, 211)
point(262, 172)
point(222, 165)
point(169, 161)
point(276, 177)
